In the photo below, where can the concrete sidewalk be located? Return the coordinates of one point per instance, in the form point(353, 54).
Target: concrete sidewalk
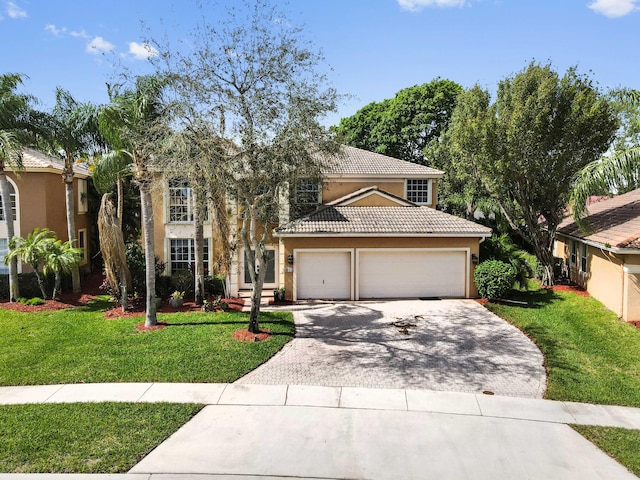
point(278, 431)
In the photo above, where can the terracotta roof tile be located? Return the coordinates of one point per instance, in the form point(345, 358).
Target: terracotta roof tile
point(381, 220)
point(34, 159)
point(615, 222)
point(355, 161)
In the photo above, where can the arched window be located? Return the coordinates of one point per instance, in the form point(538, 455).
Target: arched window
point(12, 194)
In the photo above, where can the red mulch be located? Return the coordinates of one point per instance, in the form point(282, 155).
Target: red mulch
point(244, 335)
point(137, 308)
point(68, 300)
point(482, 301)
point(571, 288)
point(635, 323)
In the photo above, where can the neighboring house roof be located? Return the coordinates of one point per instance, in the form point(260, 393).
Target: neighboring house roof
point(358, 162)
point(391, 221)
point(32, 160)
point(613, 223)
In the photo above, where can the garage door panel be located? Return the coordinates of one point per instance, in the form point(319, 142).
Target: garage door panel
point(325, 275)
point(397, 274)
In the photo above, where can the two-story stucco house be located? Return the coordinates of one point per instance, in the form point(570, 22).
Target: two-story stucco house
point(38, 201)
point(373, 232)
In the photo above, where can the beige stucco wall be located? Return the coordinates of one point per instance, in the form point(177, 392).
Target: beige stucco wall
point(289, 244)
point(333, 189)
point(606, 278)
point(42, 204)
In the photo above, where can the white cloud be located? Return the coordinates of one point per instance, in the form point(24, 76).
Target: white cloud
point(141, 51)
point(79, 34)
point(14, 11)
point(417, 5)
point(614, 8)
point(99, 45)
point(55, 30)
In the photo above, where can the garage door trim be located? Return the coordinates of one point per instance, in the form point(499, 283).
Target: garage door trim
point(466, 250)
point(297, 251)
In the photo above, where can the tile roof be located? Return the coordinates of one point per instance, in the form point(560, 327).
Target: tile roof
point(355, 161)
point(614, 222)
point(332, 219)
point(32, 159)
point(349, 197)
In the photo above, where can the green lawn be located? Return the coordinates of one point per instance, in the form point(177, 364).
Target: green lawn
point(591, 355)
point(79, 345)
point(84, 437)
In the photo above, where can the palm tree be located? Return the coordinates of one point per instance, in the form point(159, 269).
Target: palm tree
point(60, 257)
point(111, 169)
point(608, 174)
point(133, 124)
point(71, 130)
point(15, 110)
point(32, 250)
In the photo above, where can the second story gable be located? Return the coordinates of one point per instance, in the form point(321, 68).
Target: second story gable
point(356, 169)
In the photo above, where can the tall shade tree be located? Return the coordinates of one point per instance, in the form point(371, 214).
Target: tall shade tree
point(615, 173)
point(72, 131)
point(15, 112)
point(133, 124)
point(259, 84)
point(403, 126)
point(527, 146)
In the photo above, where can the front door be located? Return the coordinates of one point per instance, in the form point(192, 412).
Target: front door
point(270, 278)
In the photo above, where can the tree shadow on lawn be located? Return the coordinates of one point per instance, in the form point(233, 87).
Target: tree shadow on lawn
point(529, 298)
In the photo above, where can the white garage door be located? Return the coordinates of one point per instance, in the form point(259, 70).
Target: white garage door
point(401, 274)
point(323, 275)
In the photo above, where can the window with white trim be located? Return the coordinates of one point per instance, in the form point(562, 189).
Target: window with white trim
point(82, 245)
point(305, 198)
point(574, 252)
point(12, 195)
point(4, 249)
point(180, 202)
point(182, 254)
point(583, 258)
point(419, 190)
point(82, 196)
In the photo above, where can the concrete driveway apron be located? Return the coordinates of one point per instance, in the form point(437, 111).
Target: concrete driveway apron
point(452, 345)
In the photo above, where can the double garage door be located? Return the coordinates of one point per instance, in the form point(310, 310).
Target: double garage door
point(379, 273)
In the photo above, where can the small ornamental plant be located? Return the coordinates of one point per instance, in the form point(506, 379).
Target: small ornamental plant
point(494, 279)
point(177, 295)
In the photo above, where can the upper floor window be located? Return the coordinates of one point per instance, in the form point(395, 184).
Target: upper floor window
point(180, 201)
point(305, 198)
point(82, 195)
point(419, 190)
point(12, 195)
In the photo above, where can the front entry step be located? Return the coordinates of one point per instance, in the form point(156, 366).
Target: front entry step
point(246, 296)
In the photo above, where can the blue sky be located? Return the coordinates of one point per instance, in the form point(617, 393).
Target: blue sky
point(375, 47)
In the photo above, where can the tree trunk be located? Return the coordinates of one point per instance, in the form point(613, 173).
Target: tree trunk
point(198, 214)
point(57, 286)
point(71, 226)
point(149, 252)
point(40, 281)
point(120, 201)
point(14, 291)
point(256, 256)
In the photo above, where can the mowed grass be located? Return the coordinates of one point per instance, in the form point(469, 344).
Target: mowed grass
point(80, 346)
point(84, 437)
point(591, 355)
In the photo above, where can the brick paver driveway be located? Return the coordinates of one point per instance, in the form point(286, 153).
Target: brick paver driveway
point(454, 345)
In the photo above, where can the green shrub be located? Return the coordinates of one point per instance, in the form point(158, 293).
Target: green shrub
point(502, 248)
point(31, 301)
point(494, 279)
point(164, 286)
point(214, 286)
point(28, 284)
point(183, 281)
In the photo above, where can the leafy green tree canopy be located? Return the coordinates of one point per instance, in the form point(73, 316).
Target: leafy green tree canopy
point(402, 126)
point(527, 146)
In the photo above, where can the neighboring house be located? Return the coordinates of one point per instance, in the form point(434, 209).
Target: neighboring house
point(38, 201)
point(606, 258)
point(372, 232)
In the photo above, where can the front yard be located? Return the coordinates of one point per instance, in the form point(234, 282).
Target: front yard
point(591, 356)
